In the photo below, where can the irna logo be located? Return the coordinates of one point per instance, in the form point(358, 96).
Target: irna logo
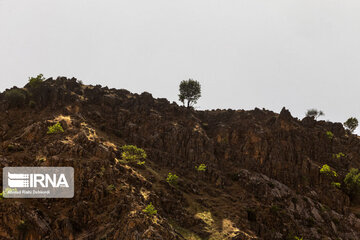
point(38, 182)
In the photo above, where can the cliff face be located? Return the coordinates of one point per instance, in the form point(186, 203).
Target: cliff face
point(262, 178)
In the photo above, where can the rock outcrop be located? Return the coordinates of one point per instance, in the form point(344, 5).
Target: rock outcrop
point(262, 178)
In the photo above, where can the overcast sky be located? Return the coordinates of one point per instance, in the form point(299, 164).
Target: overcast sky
point(246, 53)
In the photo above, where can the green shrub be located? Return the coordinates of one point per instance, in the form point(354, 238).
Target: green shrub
point(35, 82)
point(132, 153)
point(330, 134)
point(150, 210)
point(201, 167)
point(110, 188)
point(172, 179)
point(352, 182)
point(298, 238)
point(336, 184)
point(1, 196)
point(327, 171)
point(338, 155)
point(56, 128)
point(16, 97)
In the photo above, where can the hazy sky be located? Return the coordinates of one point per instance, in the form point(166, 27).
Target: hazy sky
point(246, 53)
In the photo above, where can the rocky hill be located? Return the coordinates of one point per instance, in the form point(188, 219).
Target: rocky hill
point(262, 177)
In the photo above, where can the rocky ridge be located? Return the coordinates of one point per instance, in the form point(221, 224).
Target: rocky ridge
point(262, 178)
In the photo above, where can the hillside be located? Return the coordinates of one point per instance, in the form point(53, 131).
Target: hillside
point(262, 178)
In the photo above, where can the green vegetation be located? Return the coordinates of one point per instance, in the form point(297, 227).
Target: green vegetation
point(35, 82)
point(336, 184)
point(327, 171)
point(132, 153)
point(22, 226)
point(338, 155)
point(16, 97)
point(351, 124)
point(150, 210)
point(201, 168)
point(172, 179)
point(352, 182)
point(190, 90)
point(298, 238)
point(56, 128)
point(330, 134)
point(110, 188)
point(314, 113)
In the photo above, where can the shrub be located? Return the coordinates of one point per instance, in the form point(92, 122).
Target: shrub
point(35, 82)
point(338, 155)
point(336, 184)
point(327, 171)
point(110, 188)
point(172, 179)
point(16, 97)
point(201, 167)
point(56, 128)
point(352, 182)
point(351, 124)
point(298, 238)
point(330, 134)
point(150, 210)
point(190, 90)
point(314, 113)
point(132, 153)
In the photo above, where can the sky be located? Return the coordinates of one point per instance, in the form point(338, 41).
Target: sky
point(300, 54)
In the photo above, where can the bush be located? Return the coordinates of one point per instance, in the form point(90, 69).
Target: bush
point(201, 167)
point(336, 184)
point(330, 134)
point(352, 182)
point(190, 90)
point(314, 113)
point(338, 155)
point(172, 179)
point(327, 171)
point(110, 188)
point(132, 153)
point(150, 210)
point(35, 82)
point(351, 124)
point(16, 97)
point(56, 128)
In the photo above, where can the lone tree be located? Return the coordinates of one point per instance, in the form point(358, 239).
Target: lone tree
point(314, 113)
point(351, 124)
point(190, 90)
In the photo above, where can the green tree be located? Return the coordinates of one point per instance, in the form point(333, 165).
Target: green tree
point(327, 171)
point(352, 182)
point(314, 113)
point(190, 90)
point(172, 179)
point(16, 97)
point(35, 82)
point(132, 153)
point(351, 124)
point(150, 210)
